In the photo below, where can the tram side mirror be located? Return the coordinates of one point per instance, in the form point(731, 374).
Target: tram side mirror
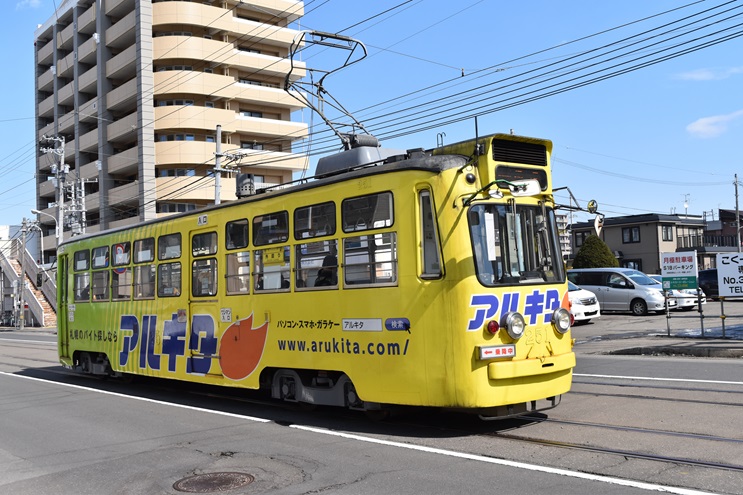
point(593, 206)
point(529, 187)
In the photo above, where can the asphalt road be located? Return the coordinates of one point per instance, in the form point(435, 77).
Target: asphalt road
point(64, 433)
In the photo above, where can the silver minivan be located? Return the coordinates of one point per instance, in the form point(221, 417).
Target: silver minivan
point(622, 289)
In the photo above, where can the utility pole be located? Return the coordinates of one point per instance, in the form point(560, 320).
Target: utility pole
point(22, 284)
point(218, 168)
point(60, 172)
point(737, 214)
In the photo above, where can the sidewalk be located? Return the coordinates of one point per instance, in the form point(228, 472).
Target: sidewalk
point(681, 343)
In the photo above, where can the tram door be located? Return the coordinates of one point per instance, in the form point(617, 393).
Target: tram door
point(62, 321)
point(204, 311)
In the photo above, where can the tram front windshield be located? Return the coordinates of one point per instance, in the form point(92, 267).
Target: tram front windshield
point(514, 244)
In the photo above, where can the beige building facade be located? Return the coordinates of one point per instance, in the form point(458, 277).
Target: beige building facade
point(129, 94)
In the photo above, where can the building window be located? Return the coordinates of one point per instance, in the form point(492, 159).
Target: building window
point(250, 113)
point(630, 235)
point(580, 238)
point(667, 232)
point(634, 264)
point(251, 145)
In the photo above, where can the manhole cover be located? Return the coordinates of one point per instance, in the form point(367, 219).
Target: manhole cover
point(213, 482)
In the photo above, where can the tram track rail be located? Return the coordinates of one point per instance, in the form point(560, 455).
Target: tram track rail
point(623, 453)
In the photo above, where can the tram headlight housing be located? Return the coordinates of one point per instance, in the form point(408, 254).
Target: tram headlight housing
point(561, 320)
point(514, 324)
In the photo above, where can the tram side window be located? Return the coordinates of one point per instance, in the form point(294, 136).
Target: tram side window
point(430, 254)
point(204, 277)
point(236, 234)
point(144, 282)
point(100, 257)
point(317, 264)
point(100, 285)
point(144, 250)
point(272, 269)
point(101, 277)
point(169, 279)
point(204, 244)
point(271, 228)
point(367, 212)
point(82, 280)
point(121, 283)
point(120, 253)
point(169, 247)
point(370, 259)
point(238, 273)
point(314, 221)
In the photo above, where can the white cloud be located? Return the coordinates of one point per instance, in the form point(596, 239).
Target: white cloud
point(23, 4)
point(709, 74)
point(710, 127)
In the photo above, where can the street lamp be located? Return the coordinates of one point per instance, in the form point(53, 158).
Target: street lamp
point(56, 231)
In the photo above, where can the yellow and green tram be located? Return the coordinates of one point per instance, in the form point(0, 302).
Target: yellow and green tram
point(422, 278)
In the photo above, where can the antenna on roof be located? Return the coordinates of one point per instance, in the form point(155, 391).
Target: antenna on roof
point(301, 89)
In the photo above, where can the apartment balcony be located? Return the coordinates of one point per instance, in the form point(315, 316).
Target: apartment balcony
point(64, 95)
point(86, 20)
point(89, 170)
point(193, 117)
point(47, 188)
point(45, 81)
point(47, 130)
point(124, 97)
point(124, 65)
point(287, 9)
point(86, 53)
point(89, 141)
point(219, 52)
point(127, 194)
point(66, 65)
point(124, 129)
point(122, 34)
point(119, 8)
point(192, 189)
point(89, 111)
point(46, 107)
point(220, 86)
point(124, 163)
point(44, 55)
point(197, 14)
point(64, 38)
point(66, 123)
point(88, 81)
point(124, 222)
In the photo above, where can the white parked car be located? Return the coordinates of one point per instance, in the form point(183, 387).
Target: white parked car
point(686, 298)
point(583, 303)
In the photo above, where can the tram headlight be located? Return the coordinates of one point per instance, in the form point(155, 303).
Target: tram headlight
point(561, 320)
point(514, 324)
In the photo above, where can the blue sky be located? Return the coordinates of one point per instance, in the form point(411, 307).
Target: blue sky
point(648, 140)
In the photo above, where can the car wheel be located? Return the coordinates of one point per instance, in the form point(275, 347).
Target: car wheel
point(639, 307)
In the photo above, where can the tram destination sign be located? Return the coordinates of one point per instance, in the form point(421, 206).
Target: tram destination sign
point(679, 270)
point(730, 274)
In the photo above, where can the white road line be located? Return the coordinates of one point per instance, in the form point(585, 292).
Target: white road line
point(657, 379)
point(504, 462)
point(143, 399)
point(31, 341)
point(388, 443)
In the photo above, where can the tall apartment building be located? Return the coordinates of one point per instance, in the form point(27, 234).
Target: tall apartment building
point(137, 89)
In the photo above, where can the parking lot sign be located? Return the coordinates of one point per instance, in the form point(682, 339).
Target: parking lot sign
point(679, 270)
point(730, 274)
